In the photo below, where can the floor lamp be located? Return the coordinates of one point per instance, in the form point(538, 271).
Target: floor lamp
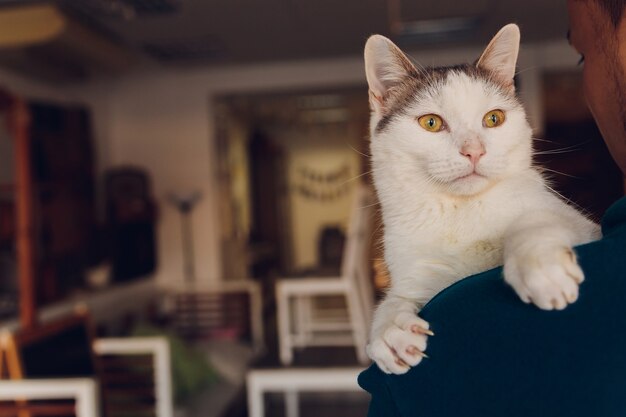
point(185, 204)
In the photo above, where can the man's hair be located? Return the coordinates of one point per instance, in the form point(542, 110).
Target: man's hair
point(614, 8)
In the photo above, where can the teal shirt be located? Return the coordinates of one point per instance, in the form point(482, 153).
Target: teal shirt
point(493, 355)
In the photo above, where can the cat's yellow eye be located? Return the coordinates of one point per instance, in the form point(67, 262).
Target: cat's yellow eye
point(431, 122)
point(493, 118)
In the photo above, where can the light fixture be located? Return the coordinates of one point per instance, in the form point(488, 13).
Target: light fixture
point(429, 30)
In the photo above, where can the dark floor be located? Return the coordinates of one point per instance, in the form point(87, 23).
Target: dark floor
point(353, 404)
point(350, 404)
point(313, 357)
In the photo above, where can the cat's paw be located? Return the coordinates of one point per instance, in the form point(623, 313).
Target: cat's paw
point(548, 278)
point(401, 345)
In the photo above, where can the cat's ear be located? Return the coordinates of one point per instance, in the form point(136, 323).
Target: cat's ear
point(385, 67)
point(500, 56)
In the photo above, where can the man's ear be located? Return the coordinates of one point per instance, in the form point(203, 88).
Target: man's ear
point(500, 56)
point(385, 67)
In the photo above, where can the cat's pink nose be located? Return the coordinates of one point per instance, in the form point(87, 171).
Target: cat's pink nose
point(473, 151)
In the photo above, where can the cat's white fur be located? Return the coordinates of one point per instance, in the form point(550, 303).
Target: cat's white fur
point(439, 227)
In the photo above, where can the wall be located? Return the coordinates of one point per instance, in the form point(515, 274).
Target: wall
point(33, 89)
point(163, 122)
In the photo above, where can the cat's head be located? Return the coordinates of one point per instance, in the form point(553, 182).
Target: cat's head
point(458, 129)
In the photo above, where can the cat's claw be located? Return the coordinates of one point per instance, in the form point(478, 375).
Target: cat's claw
point(548, 279)
point(401, 345)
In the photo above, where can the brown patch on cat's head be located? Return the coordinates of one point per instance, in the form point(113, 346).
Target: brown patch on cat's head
point(402, 95)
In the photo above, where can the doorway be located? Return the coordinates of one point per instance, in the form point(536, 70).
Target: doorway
point(288, 164)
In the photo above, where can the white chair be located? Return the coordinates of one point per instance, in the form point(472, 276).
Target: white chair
point(159, 349)
point(85, 391)
point(304, 321)
point(26, 364)
point(292, 381)
point(195, 308)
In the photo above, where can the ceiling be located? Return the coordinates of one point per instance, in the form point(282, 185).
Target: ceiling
point(218, 32)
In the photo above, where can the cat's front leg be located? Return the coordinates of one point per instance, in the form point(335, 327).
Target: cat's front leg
point(548, 277)
point(539, 262)
point(398, 337)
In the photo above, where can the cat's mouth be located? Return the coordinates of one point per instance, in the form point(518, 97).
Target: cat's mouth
point(471, 175)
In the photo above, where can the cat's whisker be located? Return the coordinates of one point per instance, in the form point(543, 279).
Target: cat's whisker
point(547, 185)
point(556, 152)
point(527, 69)
point(359, 176)
point(571, 148)
point(559, 173)
point(356, 177)
point(371, 205)
point(578, 207)
point(544, 140)
point(559, 150)
point(359, 152)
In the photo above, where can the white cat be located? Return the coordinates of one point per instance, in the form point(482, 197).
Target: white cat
point(451, 153)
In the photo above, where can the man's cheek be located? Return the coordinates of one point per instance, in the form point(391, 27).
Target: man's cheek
point(588, 89)
point(593, 84)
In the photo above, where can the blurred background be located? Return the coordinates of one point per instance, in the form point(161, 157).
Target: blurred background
point(185, 216)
